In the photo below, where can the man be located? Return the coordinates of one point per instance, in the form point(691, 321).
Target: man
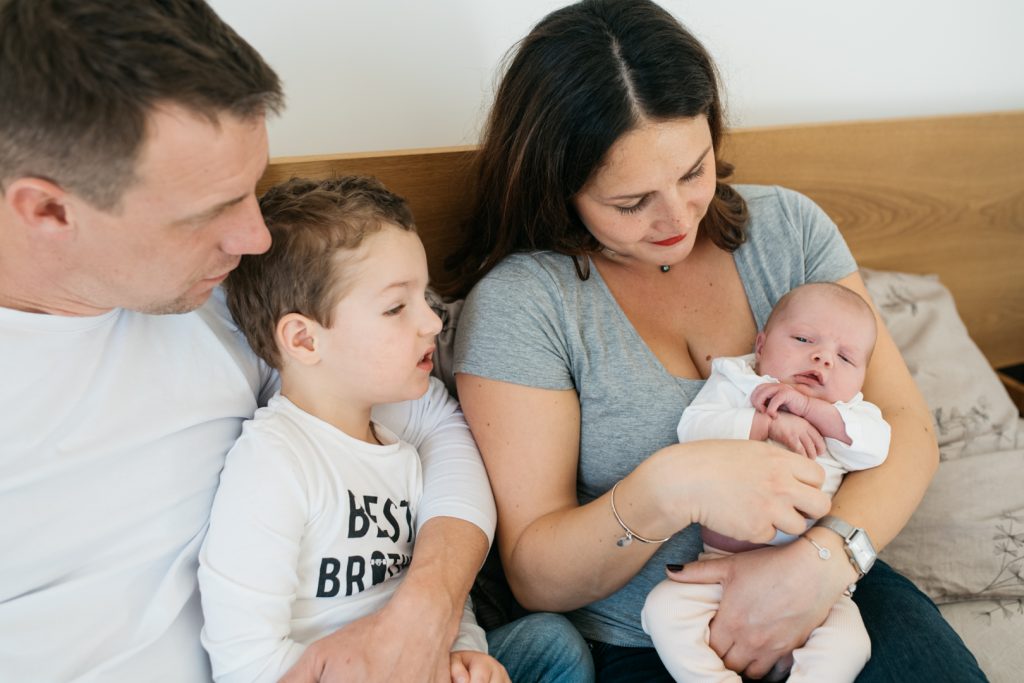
point(132, 136)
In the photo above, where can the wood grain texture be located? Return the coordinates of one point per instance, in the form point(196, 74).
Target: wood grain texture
point(941, 195)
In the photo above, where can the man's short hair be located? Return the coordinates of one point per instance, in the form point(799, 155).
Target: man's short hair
point(78, 79)
point(315, 227)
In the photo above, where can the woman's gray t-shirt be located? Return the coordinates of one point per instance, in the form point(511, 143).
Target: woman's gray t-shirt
point(532, 321)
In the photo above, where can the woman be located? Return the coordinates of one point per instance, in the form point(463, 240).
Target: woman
point(609, 263)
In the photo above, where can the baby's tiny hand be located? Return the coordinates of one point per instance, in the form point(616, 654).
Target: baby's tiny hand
point(796, 434)
point(470, 666)
point(775, 396)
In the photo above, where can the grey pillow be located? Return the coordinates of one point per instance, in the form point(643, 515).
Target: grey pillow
point(444, 355)
point(970, 406)
point(966, 539)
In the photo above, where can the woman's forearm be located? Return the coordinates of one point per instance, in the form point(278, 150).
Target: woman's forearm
point(744, 489)
point(883, 498)
point(570, 557)
point(560, 555)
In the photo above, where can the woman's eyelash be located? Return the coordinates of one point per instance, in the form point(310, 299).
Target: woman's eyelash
point(394, 311)
point(695, 173)
point(635, 207)
point(692, 175)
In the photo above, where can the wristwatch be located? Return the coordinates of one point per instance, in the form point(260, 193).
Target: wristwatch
point(858, 546)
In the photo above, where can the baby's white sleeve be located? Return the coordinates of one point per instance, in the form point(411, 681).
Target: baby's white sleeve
point(721, 409)
point(869, 435)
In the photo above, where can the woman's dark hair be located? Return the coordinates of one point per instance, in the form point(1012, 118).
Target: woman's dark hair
point(584, 76)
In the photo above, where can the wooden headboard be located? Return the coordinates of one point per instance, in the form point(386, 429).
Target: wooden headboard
point(940, 195)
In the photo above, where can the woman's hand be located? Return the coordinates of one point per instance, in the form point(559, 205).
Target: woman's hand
point(743, 489)
point(772, 599)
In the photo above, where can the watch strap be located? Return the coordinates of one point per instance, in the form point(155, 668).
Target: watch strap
point(847, 531)
point(841, 527)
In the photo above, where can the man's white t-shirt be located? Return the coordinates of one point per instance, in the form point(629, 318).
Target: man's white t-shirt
point(113, 434)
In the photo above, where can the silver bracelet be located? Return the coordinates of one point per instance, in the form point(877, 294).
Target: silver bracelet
point(630, 534)
point(825, 553)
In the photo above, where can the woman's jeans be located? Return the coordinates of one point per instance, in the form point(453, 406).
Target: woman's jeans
point(542, 648)
point(910, 643)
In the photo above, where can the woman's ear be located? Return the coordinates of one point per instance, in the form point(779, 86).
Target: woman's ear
point(295, 335)
point(42, 206)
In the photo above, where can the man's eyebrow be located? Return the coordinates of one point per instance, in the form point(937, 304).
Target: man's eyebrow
point(213, 211)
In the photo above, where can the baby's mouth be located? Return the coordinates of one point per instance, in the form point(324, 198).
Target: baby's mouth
point(812, 377)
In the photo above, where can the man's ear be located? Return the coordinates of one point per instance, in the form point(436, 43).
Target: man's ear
point(41, 205)
point(295, 335)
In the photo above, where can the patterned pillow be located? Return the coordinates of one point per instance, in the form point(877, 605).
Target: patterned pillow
point(970, 406)
point(966, 539)
point(444, 353)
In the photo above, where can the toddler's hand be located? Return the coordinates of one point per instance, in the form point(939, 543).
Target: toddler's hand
point(775, 396)
point(470, 666)
point(796, 434)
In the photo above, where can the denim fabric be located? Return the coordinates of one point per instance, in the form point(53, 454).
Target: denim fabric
point(615, 664)
point(542, 648)
point(910, 641)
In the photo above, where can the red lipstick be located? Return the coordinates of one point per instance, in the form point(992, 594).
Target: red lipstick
point(671, 240)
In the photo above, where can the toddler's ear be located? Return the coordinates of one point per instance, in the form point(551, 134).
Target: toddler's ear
point(296, 338)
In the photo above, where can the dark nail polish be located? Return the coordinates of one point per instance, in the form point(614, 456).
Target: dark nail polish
point(674, 567)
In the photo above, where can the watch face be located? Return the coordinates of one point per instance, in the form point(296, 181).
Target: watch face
point(861, 550)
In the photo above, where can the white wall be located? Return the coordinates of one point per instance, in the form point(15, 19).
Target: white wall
point(389, 74)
